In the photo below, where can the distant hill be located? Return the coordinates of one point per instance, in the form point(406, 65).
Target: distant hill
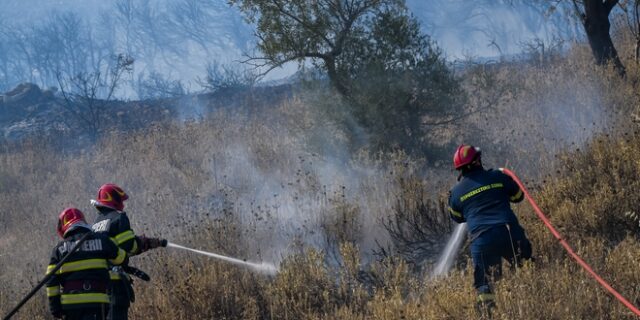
point(29, 111)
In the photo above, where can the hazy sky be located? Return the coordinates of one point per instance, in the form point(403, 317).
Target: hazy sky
point(459, 26)
point(463, 28)
point(482, 28)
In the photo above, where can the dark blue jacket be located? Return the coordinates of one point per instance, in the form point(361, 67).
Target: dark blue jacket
point(482, 199)
point(83, 279)
point(116, 225)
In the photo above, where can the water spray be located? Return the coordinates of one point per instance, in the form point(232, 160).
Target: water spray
point(450, 251)
point(263, 267)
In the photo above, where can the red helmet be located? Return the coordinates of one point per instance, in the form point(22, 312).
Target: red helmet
point(465, 155)
point(69, 219)
point(111, 196)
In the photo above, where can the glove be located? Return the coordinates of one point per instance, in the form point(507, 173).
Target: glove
point(157, 242)
point(152, 243)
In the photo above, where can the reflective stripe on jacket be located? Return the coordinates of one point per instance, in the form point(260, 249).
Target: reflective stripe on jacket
point(116, 225)
point(482, 199)
point(82, 279)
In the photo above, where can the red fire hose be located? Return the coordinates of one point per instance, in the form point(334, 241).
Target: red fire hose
point(568, 248)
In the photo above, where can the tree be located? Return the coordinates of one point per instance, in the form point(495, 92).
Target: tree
point(373, 53)
point(87, 94)
point(65, 43)
point(226, 77)
point(61, 43)
point(417, 227)
point(298, 30)
point(7, 69)
point(157, 86)
point(595, 19)
point(144, 32)
point(201, 22)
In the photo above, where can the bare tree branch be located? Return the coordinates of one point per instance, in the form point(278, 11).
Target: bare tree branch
point(81, 92)
point(302, 23)
point(579, 12)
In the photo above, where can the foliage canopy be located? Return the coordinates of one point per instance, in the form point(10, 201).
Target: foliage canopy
point(391, 75)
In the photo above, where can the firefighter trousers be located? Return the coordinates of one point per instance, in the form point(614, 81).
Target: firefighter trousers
point(489, 248)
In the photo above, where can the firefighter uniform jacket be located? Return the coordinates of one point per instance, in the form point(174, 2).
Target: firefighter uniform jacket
point(482, 200)
point(117, 226)
point(83, 279)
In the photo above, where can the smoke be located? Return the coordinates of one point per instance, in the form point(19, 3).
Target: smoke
point(191, 108)
point(288, 198)
point(488, 28)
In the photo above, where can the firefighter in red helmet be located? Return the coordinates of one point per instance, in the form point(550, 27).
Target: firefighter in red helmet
point(112, 220)
point(482, 198)
point(78, 290)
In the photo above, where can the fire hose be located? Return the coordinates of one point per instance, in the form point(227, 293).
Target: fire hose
point(568, 248)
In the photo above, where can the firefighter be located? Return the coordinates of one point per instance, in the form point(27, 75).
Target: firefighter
point(481, 198)
point(78, 290)
point(113, 221)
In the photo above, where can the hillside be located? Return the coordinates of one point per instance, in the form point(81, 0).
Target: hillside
point(28, 112)
point(272, 186)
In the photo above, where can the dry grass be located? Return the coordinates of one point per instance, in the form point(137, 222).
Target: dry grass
point(282, 188)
